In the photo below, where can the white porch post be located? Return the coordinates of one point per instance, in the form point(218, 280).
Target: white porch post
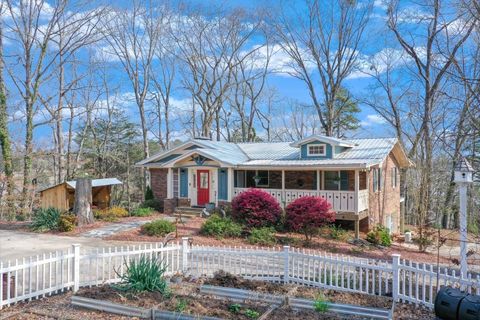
point(319, 183)
point(283, 189)
point(230, 184)
point(170, 184)
point(357, 220)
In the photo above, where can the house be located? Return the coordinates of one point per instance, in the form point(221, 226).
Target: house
point(62, 195)
point(359, 177)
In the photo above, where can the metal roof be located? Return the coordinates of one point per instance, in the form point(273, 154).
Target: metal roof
point(98, 182)
point(364, 152)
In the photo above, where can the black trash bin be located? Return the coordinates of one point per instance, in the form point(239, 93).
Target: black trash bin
point(469, 308)
point(447, 303)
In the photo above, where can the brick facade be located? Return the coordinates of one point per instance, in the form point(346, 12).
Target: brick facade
point(158, 181)
point(385, 202)
point(301, 180)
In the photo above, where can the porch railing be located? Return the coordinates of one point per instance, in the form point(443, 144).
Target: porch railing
point(343, 201)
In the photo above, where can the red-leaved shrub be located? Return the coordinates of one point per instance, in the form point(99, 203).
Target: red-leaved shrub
point(256, 208)
point(307, 214)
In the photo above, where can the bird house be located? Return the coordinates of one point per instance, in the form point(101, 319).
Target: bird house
point(463, 171)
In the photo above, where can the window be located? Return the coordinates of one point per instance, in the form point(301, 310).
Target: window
point(262, 175)
point(332, 180)
point(394, 177)
point(316, 150)
point(377, 179)
point(246, 178)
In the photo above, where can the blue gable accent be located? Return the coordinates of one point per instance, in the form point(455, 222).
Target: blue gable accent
point(168, 158)
point(222, 184)
point(304, 151)
point(183, 183)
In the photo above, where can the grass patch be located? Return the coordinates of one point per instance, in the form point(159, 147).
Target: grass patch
point(142, 212)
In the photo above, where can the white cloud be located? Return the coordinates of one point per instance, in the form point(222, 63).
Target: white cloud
point(371, 120)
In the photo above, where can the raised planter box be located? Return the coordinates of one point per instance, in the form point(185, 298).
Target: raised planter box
point(296, 303)
point(142, 313)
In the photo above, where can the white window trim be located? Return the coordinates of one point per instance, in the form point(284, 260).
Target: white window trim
point(317, 145)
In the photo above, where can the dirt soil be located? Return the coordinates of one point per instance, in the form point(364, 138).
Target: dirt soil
point(185, 295)
point(322, 243)
point(402, 311)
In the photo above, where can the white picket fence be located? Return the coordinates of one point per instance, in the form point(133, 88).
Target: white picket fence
point(406, 281)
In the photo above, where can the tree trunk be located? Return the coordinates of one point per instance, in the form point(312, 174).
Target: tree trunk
point(83, 201)
point(4, 134)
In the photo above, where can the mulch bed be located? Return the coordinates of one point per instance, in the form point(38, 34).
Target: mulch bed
point(192, 228)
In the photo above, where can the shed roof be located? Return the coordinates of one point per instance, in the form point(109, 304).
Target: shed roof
point(95, 183)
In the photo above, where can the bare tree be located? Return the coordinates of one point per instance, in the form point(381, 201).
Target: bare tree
point(432, 62)
point(323, 42)
point(133, 35)
point(208, 47)
point(33, 26)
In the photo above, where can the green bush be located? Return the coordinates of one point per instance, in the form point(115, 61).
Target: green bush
point(67, 222)
point(155, 204)
point(380, 235)
point(158, 228)
point(219, 227)
point(145, 274)
point(149, 194)
point(263, 236)
point(110, 214)
point(337, 233)
point(142, 212)
point(45, 220)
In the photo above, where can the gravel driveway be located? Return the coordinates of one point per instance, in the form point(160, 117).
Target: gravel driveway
point(18, 244)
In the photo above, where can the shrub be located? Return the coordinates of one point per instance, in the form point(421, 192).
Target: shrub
point(145, 274)
point(142, 212)
point(307, 214)
point(337, 233)
point(155, 204)
point(321, 304)
point(45, 219)
point(256, 208)
point(158, 228)
point(252, 314)
point(148, 193)
point(263, 236)
point(220, 227)
point(380, 235)
point(67, 222)
point(110, 214)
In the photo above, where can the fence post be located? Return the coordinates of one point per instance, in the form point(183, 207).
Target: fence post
point(76, 267)
point(396, 277)
point(286, 263)
point(185, 253)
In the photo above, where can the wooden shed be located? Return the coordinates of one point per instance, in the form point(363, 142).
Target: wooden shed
point(62, 196)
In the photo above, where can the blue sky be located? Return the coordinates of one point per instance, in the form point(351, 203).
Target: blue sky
point(376, 41)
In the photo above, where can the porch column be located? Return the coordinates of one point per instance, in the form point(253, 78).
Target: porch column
point(170, 184)
point(357, 220)
point(319, 183)
point(230, 185)
point(283, 188)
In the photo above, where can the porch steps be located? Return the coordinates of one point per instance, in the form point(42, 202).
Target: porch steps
point(188, 211)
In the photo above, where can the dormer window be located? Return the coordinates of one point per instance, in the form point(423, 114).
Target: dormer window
point(316, 150)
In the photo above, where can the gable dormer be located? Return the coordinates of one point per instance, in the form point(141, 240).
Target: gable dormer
point(321, 147)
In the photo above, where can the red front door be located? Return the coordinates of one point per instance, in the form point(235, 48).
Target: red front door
point(203, 187)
